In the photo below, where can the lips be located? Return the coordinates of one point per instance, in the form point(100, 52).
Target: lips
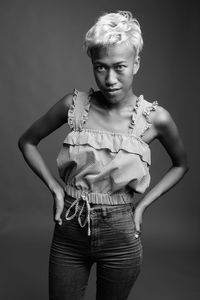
point(112, 90)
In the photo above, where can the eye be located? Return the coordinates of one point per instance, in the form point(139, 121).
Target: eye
point(100, 68)
point(120, 67)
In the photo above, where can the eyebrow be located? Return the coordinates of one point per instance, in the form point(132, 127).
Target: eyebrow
point(103, 64)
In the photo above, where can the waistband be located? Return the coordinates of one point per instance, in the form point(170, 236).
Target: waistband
point(80, 206)
point(100, 198)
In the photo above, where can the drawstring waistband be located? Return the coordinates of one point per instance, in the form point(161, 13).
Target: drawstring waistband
point(78, 205)
point(93, 198)
point(101, 198)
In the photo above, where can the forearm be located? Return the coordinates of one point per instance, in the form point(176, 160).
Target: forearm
point(170, 179)
point(35, 161)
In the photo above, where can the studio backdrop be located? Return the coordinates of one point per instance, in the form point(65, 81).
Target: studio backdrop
point(41, 59)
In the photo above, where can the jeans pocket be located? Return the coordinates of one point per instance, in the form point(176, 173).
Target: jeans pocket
point(120, 221)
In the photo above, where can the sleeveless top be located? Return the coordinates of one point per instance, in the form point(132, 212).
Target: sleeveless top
point(106, 167)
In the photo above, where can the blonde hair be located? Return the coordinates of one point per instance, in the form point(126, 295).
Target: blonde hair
point(114, 28)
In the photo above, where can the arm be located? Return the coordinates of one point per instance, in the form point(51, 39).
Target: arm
point(167, 133)
point(49, 122)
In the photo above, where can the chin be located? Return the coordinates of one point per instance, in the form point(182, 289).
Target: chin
point(113, 97)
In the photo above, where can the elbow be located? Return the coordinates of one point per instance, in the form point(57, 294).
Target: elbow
point(20, 143)
point(186, 165)
point(183, 168)
point(23, 141)
point(186, 168)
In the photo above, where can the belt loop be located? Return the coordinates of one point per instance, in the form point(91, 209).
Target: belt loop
point(104, 211)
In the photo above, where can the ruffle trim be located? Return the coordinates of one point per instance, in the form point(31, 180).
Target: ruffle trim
point(82, 113)
point(71, 110)
point(85, 110)
point(149, 109)
point(112, 142)
point(146, 113)
point(134, 114)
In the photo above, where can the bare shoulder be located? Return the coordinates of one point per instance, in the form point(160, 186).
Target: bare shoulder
point(162, 118)
point(164, 124)
point(60, 108)
point(66, 101)
point(168, 135)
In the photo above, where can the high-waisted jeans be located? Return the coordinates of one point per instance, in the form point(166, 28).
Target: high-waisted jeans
point(112, 244)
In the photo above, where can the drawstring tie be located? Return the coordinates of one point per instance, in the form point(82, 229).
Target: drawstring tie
point(78, 205)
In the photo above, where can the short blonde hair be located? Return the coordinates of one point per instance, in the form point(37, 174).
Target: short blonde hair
point(114, 28)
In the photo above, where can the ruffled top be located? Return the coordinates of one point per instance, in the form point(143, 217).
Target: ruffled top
point(102, 162)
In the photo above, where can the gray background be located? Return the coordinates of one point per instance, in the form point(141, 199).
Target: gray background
point(41, 59)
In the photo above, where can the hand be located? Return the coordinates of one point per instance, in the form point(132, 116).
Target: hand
point(138, 216)
point(58, 205)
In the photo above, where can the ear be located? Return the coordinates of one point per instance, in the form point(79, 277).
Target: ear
point(136, 65)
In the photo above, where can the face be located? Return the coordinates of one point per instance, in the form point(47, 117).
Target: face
point(114, 68)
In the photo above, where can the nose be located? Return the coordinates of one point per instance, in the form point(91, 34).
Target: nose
point(111, 78)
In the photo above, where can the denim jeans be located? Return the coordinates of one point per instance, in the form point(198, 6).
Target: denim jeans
point(112, 245)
